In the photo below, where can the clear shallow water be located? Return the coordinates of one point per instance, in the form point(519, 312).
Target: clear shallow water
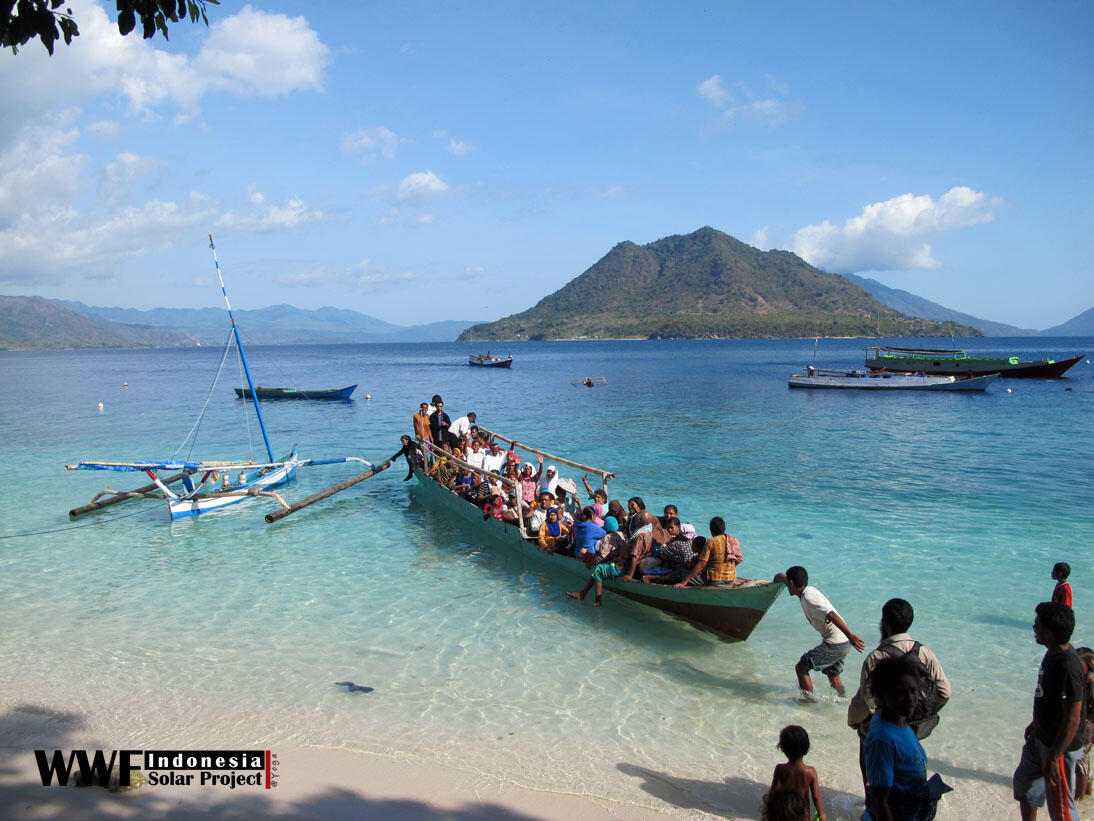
point(225, 631)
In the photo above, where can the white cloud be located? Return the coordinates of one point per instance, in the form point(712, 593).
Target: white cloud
point(713, 91)
point(767, 109)
point(255, 52)
point(264, 217)
point(425, 219)
point(372, 142)
point(421, 186)
point(894, 234)
point(759, 239)
point(459, 147)
point(608, 192)
point(119, 175)
point(251, 53)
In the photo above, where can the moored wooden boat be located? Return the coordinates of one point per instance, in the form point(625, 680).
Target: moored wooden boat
point(295, 393)
point(731, 612)
point(826, 378)
point(488, 361)
point(959, 363)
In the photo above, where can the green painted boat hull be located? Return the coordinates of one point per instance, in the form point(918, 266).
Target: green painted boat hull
point(731, 612)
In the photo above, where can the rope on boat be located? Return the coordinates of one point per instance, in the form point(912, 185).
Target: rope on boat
point(201, 415)
point(71, 527)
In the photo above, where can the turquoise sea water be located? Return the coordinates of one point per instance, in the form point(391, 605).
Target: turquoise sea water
point(224, 631)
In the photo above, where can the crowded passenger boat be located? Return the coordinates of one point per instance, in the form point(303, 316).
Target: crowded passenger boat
point(517, 491)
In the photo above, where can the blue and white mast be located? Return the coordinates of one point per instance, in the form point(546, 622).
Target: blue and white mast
point(242, 354)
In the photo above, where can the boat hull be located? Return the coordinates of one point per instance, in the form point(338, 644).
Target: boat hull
point(972, 366)
point(732, 613)
point(891, 382)
point(207, 502)
point(295, 393)
point(489, 362)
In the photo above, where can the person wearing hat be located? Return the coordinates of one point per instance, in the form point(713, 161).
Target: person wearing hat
point(550, 477)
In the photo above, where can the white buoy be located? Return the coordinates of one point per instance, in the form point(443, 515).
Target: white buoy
point(125, 384)
point(1008, 390)
point(368, 396)
point(100, 407)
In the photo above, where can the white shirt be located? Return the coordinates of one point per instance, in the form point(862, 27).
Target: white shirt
point(477, 458)
point(493, 461)
point(816, 608)
point(461, 427)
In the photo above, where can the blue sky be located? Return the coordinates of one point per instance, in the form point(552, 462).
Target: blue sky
point(427, 161)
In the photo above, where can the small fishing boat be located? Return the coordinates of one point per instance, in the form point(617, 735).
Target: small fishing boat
point(884, 381)
point(959, 363)
point(732, 611)
point(296, 393)
point(589, 381)
point(212, 484)
point(487, 361)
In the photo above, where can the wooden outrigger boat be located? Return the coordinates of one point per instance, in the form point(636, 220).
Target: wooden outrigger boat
point(827, 378)
point(296, 393)
point(210, 485)
point(731, 612)
point(487, 361)
point(959, 363)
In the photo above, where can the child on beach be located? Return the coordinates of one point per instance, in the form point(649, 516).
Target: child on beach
point(795, 774)
point(1061, 594)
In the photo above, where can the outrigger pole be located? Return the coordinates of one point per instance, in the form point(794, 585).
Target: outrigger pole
point(242, 354)
point(287, 509)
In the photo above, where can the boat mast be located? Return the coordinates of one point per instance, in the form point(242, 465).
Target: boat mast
point(242, 354)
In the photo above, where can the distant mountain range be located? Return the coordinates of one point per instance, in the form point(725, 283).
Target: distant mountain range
point(706, 284)
point(702, 284)
point(34, 322)
point(913, 305)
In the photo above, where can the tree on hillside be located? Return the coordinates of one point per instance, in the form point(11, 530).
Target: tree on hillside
point(23, 20)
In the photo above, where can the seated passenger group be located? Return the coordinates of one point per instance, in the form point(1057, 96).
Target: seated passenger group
point(612, 542)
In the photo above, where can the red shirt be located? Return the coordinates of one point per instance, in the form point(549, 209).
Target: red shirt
point(1061, 594)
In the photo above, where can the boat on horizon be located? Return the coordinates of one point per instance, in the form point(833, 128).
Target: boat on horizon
point(487, 361)
point(731, 612)
point(295, 393)
point(959, 363)
point(208, 485)
point(829, 378)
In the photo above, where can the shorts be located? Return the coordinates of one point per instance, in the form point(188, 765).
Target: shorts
point(1029, 783)
point(828, 658)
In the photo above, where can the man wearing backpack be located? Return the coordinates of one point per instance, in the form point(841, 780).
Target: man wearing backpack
point(896, 619)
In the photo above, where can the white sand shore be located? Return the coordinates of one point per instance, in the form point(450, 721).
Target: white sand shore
point(313, 784)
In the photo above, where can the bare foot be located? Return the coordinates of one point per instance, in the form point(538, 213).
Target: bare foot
point(807, 697)
point(574, 596)
point(596, 604)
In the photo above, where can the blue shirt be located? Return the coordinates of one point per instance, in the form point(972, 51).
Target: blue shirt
point(894, 756)
point(586, 535)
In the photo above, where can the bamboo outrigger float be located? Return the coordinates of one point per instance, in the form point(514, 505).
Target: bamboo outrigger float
point(731, 611)
point(210, 485)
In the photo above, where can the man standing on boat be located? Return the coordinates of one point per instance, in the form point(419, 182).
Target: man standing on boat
point(896, 619)
point(462, 427)
point(836, 637)
point(439, 423)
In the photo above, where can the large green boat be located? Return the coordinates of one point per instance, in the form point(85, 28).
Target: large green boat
point(731, 612)
point(959, 363)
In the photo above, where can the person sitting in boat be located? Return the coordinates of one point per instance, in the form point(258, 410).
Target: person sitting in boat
point(539, 515)
point(615, 510)
point(501, 511)
point(586, 534)
point(600, 500)
point(550, 478)
point(482, 490)
point(567, 500)
point(675, 556)
point(476, 457)
point(463, 483)
point(494, 458)
point(717, 562)
point(553, 532)
point(670, 511)
point(442, 469)
point(529, 484)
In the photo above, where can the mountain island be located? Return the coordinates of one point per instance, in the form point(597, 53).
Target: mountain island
point(707, 284)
